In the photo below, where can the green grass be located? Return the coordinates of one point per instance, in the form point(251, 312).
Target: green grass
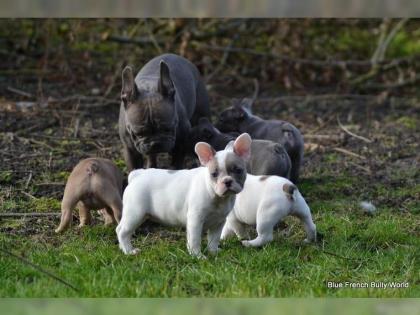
point(356, 248)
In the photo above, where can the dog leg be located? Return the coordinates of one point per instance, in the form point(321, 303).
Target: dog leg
point(84, 214)
point(194, 230)
point(113, 200)
point(301, 210)
point(67, 206)
point(265, 226)
point(213, 239)
point(233, 226)
point(108, 216)
point(127, 227)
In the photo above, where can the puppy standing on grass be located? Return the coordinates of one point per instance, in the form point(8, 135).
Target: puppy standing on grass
point(199, 198)
point(94, 184)
point(264, 201)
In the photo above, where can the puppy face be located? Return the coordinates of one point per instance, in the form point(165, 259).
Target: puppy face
point(231, 117)
point(227, 168)
point(150, 116)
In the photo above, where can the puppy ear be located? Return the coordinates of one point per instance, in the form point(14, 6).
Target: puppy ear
point(166, 86)
point(247, 104)
point(128, 91)
point(242, 146)
point(205, 152)
point(229, 146)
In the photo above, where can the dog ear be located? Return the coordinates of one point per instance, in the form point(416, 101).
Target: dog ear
point(166, 86)
point(242, 146)
point(129, 89)
point(229, 146)
point(205, 152)
point(247, 104)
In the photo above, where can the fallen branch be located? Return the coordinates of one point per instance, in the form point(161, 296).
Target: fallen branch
point(40, 269)
point(351, 133)
point(19, 92)
point(29, 214)
point(347, 152)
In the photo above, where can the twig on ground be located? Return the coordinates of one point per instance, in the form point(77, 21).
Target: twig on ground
point(28, 180)
point(19, 92)
point(347, 152)
point(351, 133)
point(28, 194)
point(367, 170)
point(40, 269)
point(327, 137)
point(29, 214)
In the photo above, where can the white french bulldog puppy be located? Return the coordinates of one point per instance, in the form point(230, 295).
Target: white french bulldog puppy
point(264, 201)
point(198, 199)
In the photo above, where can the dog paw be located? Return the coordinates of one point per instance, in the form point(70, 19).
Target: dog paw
point(246, 243)
point(214, 251)
point(308, 241)
point(199, 256)
point(134, 251)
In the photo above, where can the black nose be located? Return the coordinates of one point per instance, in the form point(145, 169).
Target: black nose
point(228, 183)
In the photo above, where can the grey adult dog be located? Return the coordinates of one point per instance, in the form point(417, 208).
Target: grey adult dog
point(239, 118)
point(158, 108)
point(267, 157)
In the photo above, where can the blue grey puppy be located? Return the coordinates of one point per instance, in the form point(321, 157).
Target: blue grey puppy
point(158, 108)
point(267, 157)
point(239, 118)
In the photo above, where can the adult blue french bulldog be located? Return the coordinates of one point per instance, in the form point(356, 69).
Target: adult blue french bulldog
point(158, 108)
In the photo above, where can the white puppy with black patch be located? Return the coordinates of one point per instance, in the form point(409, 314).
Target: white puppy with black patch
point(198, 199)
point(264, 201)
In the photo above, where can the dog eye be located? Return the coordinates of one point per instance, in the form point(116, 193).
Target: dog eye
point(237, 170)
point(215, 174)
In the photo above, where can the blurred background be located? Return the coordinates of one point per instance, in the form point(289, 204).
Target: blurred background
point(211, 306)
point(60, 81)
point(214, 8)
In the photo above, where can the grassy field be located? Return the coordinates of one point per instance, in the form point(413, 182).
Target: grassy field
point(369, 154)
point(356, 247)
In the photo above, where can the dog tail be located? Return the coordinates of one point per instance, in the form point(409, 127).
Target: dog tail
point(291, 191)
point(92, 168)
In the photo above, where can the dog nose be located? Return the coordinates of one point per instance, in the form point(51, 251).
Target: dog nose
point(228, 182)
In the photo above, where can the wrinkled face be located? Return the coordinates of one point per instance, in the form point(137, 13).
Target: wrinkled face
point(226, 169)
point(227, 173)
point(151, 122)
point(230, 118)
point(151, 118)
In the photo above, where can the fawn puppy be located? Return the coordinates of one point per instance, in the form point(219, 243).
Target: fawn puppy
point(94, 184)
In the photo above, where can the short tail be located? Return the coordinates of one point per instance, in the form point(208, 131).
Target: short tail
point(290, 191)
point(92, 168)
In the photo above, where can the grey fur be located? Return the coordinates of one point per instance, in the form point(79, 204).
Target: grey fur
point(267, 157)
point(239, 118)
point(158, 109)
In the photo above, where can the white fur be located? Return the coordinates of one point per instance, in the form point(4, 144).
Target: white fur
point(189, 198)
point(264, 204)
